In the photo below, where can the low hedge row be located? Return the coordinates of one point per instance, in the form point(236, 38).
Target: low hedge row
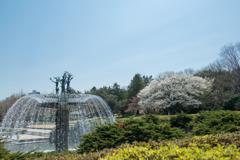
point(129, 152)
point(151, 127)
point(112, 135)
point(149, 130)
point(218, 146)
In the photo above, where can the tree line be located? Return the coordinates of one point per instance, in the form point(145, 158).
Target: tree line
point(224, 92)
point(7, 103)
point(119, 98)
point(219, 88)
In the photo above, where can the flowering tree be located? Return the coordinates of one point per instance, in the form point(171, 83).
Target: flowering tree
point(173, 91)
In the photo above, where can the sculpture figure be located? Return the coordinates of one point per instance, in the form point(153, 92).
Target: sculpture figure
point(69, 78)
point(57, 80)
point(63, 82)
point(66, 79)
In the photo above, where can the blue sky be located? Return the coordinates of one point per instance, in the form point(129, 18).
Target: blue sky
point(101, 41)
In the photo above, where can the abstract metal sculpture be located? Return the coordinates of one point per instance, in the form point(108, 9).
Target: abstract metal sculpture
point(62, 113)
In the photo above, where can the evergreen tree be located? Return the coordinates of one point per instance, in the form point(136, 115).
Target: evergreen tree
point(147, 79)
point(135, 86)
point(119, 92)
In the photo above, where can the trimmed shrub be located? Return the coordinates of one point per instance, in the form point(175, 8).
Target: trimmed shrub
point(216, 122)
point(220, 146)
point(112, 135)
point(129, 152)
point(182, 120)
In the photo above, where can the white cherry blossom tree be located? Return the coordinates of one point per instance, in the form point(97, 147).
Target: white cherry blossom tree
point(173, 90)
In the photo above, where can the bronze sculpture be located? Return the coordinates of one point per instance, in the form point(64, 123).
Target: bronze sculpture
point(66, 79)
point(56, 82)
point(69, 78)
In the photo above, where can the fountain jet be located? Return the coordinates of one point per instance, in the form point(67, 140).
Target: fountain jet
point(54, 118)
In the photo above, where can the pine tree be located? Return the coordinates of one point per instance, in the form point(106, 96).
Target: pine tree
point(135, 86)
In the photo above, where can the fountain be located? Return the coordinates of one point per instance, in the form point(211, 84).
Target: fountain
point(39, 121)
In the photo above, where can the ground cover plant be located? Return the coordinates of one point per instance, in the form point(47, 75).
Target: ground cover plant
point(171, 151)
point(218, 146)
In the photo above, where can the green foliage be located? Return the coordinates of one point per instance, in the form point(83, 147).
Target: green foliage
point(3, 151)
point(118, 98)
point(150, 118)
point(233, 103)
point(147, 79)
point(151, 127)
point(222, 88)
point(216, 122)
point(135, 86)
point(220, 146)
point(223, 146)
point(114, 96)
point(106, 136)
point(73, 91)
point(112, 135)
point(182, 120)
point(49, 155)
point(153, 135)
point(6, 155)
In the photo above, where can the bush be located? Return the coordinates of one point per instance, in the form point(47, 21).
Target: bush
point(216, 122)
point(209, 147)
point(112, 135)
point(3, 151)
point(6, 155)
point(222, 146)
point(130, 152)
point(182, 120)
point(106, 136)
point(233, 103)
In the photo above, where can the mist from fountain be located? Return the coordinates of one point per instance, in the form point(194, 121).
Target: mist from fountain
point(28, 126)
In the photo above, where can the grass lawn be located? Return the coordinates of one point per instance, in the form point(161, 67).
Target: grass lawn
point(162, 117)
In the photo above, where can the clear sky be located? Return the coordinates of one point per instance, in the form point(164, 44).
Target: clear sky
point(105, 41)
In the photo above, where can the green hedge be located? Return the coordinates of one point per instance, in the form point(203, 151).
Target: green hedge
point(203, 143)
point(216, 122)
point(182, 120)
point(112, 135)
point(149, 128)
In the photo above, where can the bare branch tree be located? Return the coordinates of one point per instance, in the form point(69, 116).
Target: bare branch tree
point(190, 71)
point(215, 66)
point(230, 55)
